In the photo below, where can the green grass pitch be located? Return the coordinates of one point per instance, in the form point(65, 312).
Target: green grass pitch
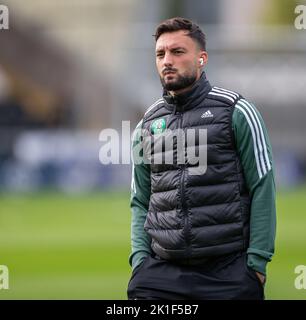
point(77, 247)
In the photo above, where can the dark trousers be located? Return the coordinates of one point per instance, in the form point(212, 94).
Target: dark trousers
point(226, 277)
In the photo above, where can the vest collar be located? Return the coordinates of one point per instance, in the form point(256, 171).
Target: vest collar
point(190, 99)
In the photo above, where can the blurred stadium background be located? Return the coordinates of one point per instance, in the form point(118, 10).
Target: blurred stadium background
point(69, 69)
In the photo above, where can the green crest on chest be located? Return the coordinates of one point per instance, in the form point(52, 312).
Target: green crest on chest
point(158, 126)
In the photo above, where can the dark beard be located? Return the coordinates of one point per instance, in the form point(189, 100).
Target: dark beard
point(181, 82)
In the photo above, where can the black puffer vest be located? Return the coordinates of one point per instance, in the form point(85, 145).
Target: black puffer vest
point(194, 217)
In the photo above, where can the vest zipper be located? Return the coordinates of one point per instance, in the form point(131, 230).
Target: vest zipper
point(183, 199)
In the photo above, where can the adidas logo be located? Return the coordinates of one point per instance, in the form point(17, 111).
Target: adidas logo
point(207, 114)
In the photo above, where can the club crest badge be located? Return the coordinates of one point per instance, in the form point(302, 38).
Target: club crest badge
point(158, 126)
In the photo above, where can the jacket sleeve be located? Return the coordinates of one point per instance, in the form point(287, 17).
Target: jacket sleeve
point(255, 152)
point(139, 202)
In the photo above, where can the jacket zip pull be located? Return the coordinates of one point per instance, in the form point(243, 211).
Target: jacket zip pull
point(175, 104)
point(174, 109)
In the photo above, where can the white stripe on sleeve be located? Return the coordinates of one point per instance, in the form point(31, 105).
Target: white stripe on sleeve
point(261, 133)
point(254, 139)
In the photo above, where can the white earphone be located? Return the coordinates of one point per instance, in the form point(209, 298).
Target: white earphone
point(201, 61)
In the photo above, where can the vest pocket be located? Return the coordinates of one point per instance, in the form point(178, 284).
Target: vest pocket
point(245, 219)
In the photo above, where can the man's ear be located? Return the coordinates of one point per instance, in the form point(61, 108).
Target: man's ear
point(203, 58)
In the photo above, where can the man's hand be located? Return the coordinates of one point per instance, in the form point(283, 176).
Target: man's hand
point(261, 277)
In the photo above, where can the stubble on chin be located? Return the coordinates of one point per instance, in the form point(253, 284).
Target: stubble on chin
point(181, 82)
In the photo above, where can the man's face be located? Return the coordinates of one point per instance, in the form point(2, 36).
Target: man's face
point(177, 60)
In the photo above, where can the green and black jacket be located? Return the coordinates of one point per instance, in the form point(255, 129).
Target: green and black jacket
point(229, 208)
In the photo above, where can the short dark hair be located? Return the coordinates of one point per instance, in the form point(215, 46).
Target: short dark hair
point(178, 23)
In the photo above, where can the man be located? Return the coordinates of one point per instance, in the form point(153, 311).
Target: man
point(207, 235)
